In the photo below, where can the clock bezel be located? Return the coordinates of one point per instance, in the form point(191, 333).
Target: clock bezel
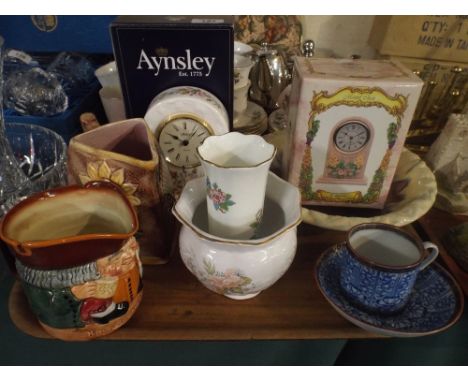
point(173, 117)
point(347, 122)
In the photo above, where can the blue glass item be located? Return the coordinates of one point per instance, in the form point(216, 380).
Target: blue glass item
point(435, 304)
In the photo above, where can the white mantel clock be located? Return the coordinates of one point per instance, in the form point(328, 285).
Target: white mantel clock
point(179, 138)
point(348, 151)
point(181, 118)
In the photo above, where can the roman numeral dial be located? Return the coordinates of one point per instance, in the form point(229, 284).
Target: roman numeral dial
point(351, 137)
point(179, 140)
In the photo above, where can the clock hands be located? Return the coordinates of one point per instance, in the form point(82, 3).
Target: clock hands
point(179, 140)
point(351, 137)
point(174, 136)
point(350, 142)
point(357, 135)
point(193, 133)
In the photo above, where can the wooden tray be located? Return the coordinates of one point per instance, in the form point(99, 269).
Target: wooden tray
point(176, 306)
point(435, 225)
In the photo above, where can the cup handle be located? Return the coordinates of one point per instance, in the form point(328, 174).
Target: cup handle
point(431, 254)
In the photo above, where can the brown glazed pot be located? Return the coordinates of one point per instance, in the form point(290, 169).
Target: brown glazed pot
point(77, 258)
point(124, 153)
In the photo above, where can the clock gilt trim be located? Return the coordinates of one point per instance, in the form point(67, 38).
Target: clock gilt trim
point(164, 122)
point(346, 158)
point(175, 117)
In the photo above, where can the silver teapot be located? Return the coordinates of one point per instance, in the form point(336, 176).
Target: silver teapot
point(269, 76)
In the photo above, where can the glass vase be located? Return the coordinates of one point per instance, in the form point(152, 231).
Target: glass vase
point(13, 182)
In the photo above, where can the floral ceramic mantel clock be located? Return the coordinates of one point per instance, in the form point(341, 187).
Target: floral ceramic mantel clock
point(181, 118)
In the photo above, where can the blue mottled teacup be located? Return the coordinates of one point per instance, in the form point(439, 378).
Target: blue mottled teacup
point(381, 265)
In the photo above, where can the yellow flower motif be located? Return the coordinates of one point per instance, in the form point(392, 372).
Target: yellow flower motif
point(102, 171)
point(333, 161)
point(359, 162)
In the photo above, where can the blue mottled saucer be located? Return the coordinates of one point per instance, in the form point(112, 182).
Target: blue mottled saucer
point(436, 302)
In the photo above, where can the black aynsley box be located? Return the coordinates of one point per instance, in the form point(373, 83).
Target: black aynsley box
point(154, 53)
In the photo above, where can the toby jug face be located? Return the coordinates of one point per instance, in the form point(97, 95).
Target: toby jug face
point(77, 258)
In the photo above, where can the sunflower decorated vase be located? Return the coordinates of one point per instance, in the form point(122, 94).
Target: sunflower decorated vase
point(77, 258)
point(124, 153)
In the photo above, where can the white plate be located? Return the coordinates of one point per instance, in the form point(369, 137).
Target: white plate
point(254, 118)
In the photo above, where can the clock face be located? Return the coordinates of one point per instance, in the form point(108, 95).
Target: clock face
point(351, 137)
point(179, 140)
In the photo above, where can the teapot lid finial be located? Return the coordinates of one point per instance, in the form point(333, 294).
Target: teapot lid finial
point(308, 48)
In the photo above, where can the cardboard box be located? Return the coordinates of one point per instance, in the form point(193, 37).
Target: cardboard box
point(434, 37)
point(442, 74)
point(88, 34)
point(154, 53)
point(349, 120)
point(442, 68)
point(43, 37)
